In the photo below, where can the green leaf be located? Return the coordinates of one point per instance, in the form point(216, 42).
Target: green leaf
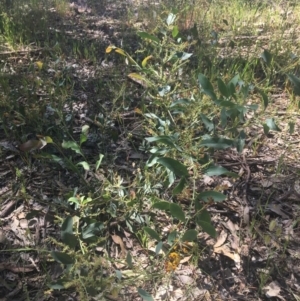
point(70, 240)
point(172, 237)
point(207, 87)
point(218, 143)
point(232, 84)
point(264, 98)
point(291, 127)
point(98, 163)
point(145, 295)
point(214, 170)
point(58, 285)
point(204, 221)
point(67, 235)
point(74, 199)
point(83, 138)
point(189, 235)
point(296, 83)
point(91, 230)
point(72, 145)
point(207, 122)
point(177, 212)
point(62, 257)
point(175, 31)
point(163, 139)
point(161, 205)
point(171, 18)
point(270, 122)
point(223, 88)
point(158, 247)
point(152, 233)
point(180, 186)
point(85, 165)
point(175, 166)
point(266, 129)
point(145, 35)
point(267, 57)
point(129, 260)
point(215, 195)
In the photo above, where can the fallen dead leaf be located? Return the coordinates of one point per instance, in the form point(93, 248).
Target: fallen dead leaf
point(118, 240)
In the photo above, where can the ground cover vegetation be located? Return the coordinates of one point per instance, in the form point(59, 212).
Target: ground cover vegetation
point(149, 150)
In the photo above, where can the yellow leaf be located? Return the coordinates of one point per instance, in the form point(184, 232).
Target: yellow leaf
point(121, 51)
point(138, 111)
point(39, 64)
point(48, 139)
point(145, 60)
point(138, 79)
point(109, 49)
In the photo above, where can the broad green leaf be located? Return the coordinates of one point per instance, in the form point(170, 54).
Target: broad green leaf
point(214, 195)
point(204, 221)
point(207, 122)
point(264, 98)
point(234, 81)
point(58, 285)
point(266, 129)
point(145, 35)
point(145, 60)
point(83, 138)
point(72, 145)
point(129, 260)
point(67, 235)
point(177, 212)
point(227, 104)
point(267, 57)
point(214, 170)
point(223, 88)
point(270, 122)
point(62, 257)
point(172, 237)
point(189, 235)
point(74, 200)
point(291, 127)
point(175, 166)
point(175, 31)
point(206, 86)
point(180, 186)
point(152, 233)
point(70, 240)
point(218, 143)
point(161, 205)
point(296, 83)
point(92, 229)
point(145, 295)
point(171, 18)
point(85, 165)
point(223, 117)
point(158, 247)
